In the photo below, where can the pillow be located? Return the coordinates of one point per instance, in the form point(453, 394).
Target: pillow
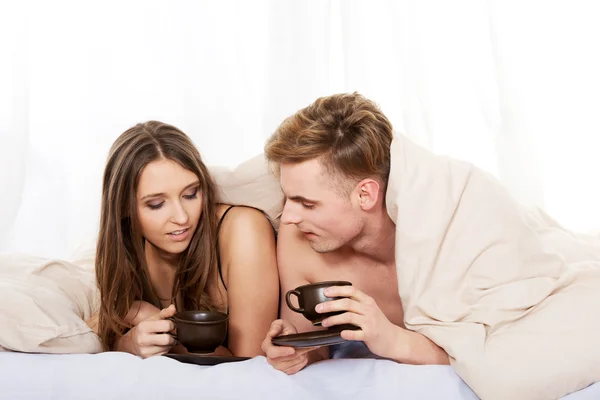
point(250, 184)
point(44, 305)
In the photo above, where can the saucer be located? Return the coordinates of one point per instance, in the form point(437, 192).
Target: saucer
point(200, 359)
point(310, 339)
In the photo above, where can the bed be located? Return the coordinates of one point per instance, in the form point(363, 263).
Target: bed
point(115, 375)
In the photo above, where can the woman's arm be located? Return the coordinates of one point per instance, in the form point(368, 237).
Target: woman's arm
point(249, 264)
point(139, 311)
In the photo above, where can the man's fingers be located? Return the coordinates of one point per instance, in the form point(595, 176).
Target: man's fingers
point(287, 353)
point(276, 352)
point(346, 291)
point(345, 304)
point(284, 365)
point(280, 327)
point(277, 328)
point(272, 351)
point(353, 335)
point(306, 350)
point(287, 359)
point(294, 365)
point(345, 318)
point(296, 368)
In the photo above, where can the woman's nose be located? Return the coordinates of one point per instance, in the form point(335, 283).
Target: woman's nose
point(180, 215)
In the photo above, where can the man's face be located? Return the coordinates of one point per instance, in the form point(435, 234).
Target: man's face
point(318, 206)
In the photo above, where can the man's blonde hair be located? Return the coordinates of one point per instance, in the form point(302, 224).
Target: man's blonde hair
point(348, 133)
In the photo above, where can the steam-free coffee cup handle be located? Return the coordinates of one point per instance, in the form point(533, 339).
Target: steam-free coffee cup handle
point(288, 300)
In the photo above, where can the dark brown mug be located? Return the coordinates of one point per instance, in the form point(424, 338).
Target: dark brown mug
point(201, 331)
point(309, 296)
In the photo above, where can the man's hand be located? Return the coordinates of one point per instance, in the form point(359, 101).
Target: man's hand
point(378, 333)
point(151, 336)
point(283, 358)
point(381, 336)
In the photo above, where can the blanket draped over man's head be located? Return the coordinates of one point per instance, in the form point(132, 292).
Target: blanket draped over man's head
point(510, 295)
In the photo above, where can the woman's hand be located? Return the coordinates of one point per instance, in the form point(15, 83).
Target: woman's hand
point(150, 336)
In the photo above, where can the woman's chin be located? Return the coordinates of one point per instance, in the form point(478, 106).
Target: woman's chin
point(168, 248)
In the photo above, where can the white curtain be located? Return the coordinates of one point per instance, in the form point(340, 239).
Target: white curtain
point(511, 86)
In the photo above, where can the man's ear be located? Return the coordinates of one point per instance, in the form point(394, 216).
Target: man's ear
point(368, 193)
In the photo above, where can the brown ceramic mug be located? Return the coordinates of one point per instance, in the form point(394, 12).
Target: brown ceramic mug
point(201, 331)
point(309, 296)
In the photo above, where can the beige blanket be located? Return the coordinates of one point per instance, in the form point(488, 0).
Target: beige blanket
point(511, 296)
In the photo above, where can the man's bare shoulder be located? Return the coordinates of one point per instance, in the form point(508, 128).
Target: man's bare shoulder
point(299, 263)
point(295, 256)
point(292, 242)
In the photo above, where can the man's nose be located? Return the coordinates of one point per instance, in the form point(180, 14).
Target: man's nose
point(289, 216)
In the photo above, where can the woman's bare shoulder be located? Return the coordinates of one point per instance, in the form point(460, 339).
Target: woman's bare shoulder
point(242, 217)
point(244, 232)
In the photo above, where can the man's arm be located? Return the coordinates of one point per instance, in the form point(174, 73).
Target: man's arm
point(294, 261)
point(415, 348)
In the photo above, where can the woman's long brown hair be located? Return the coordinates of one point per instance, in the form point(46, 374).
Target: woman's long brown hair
point(121, 269)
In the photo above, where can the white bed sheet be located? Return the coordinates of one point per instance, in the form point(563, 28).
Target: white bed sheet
point(123, 376)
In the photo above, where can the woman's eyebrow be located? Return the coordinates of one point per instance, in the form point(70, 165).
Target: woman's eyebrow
point(162, 194)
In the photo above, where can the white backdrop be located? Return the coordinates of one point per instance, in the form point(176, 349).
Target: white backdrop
point(510, 85)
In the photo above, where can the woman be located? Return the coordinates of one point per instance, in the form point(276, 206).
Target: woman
point(165, 245)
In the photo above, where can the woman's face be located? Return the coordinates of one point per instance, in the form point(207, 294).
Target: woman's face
point(169, 205)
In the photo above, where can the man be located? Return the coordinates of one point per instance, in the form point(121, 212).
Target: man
point(334, 161)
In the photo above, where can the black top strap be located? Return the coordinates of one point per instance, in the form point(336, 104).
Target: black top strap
point(218, 252)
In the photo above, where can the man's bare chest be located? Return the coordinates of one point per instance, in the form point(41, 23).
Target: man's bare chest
point(380, 283)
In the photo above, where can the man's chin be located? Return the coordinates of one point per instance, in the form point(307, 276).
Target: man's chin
point(321, 248)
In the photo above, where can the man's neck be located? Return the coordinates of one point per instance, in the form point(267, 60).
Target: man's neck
point(377, 243)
